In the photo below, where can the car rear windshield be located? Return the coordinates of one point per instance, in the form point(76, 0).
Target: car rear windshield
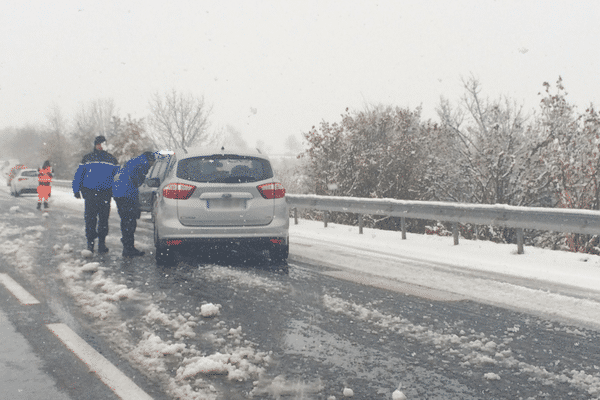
point(29, 173)
point(224, 169)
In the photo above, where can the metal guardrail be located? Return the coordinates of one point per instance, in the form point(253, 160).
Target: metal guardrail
point(549, 219)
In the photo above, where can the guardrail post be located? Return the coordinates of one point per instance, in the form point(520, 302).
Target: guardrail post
point(360, 224)
point(520, 241)
point(295, 215)
point(325, 218)
point(455, 232)
point(403, 223)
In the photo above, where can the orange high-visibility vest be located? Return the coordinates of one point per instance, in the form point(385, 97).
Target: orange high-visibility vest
point(45, 175)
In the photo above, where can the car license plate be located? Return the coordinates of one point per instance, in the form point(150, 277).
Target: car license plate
point(226, 204)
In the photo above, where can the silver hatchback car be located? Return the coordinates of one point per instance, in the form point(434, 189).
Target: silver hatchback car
point(219, 197)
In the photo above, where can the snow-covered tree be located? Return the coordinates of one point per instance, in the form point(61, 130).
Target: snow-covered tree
point(326, 144)
point(383, 155)
point(569, 152)
point(380, 152)
point(489, 149)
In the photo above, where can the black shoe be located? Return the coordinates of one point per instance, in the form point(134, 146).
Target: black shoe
point(132, 252)
point(102, 246)
point(46, 204)
point(39, 207)
point(90, 246)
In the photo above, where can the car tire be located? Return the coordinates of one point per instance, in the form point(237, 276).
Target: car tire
point(163, 255)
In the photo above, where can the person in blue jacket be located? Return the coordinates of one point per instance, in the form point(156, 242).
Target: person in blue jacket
point(125, 191)
point(93, 179)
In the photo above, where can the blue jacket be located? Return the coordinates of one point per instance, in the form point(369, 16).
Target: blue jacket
point(96, 171)
point(129, 177)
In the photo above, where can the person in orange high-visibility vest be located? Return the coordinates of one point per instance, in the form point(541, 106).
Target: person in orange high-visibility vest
point(44, 180)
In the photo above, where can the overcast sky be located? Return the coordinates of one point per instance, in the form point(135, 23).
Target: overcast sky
point(275, 68)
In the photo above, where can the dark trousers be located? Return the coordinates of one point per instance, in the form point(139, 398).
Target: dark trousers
point(129, 211)
point(97, 210)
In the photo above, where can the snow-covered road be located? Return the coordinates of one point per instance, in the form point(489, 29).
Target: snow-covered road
point(196, 328)
point(554, 284)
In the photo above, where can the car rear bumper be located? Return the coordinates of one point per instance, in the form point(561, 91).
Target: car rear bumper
point(170, 230)
point(173, 229)
point(169, 227)
point(255, 243)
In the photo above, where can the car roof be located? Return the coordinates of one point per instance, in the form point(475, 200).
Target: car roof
point(204, 151)
point(27, 169)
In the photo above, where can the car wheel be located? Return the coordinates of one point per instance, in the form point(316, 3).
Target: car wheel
point(16, 193)
point(164, 255)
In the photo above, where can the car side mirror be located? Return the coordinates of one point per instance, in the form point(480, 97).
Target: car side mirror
point(153, 182)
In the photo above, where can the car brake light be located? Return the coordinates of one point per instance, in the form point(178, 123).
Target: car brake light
point(22, 179)
point(272, 190)
point(178, 191)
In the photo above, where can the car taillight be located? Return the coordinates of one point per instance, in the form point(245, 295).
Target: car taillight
point(272, 190)
point(22, 179)
point(178, 191)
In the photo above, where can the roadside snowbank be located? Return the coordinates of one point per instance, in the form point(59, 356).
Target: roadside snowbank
point(554, 284)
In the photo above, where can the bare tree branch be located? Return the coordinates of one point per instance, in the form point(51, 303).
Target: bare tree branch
point(179, 120)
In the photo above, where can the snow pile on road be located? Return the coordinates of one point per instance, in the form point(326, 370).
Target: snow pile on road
point(156, 342)
point(90, 267)
point(86, 254)
point(19, 245)
point(90, 287)
point(237, 364)
point(209, 310)
point(471, 350)
point(234, 358)
point(239, 278)
point(280, 387)
point(180, 325)
point(398, 394)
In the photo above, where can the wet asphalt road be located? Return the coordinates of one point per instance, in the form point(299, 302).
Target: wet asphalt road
point(324, 333)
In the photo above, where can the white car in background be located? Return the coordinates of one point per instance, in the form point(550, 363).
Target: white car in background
point(24, 181)
point(219, 198)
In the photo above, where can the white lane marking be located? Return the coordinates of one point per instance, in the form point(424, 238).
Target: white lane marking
point(112, 377)
point(17, 290)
